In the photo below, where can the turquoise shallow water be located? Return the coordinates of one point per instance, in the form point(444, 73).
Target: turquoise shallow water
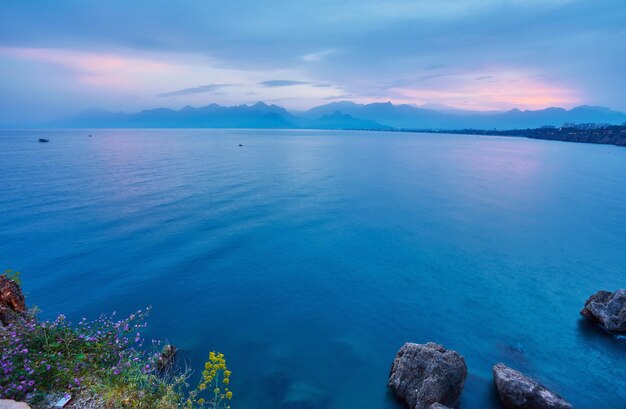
point(312, 256)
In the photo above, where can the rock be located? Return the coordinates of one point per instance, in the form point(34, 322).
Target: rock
point(62, 401)
point(276, 386)
point(12, 303)
point(607, 308)
point(11, 404)
point(518, 391)
point(517, 348)
point(57, 400)
point(426, 374)
point(437, 406)
point(166, 360)
point(301, 395)
point(86, 399)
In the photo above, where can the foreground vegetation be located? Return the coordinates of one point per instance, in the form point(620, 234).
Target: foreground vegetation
point(103, 361)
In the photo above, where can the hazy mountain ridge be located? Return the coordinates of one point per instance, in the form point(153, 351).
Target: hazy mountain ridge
point(411, 117)
point(338, 115)
point(259, 115)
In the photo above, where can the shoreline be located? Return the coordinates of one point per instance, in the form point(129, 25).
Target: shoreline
point(602, 135)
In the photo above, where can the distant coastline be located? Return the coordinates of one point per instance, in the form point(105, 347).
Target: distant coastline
point(606, 135)
point(586, 124)
point(602, 134)
point(344, 115)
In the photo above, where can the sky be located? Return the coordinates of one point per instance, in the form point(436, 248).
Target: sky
point(58, 58)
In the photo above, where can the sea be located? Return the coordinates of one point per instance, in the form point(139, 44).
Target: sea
point(310, 257)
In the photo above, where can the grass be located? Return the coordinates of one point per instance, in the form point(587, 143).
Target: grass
point(105, 359)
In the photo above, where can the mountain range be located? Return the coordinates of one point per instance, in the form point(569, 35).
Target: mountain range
point(338, 115)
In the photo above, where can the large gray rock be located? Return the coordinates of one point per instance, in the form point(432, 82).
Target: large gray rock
point(607, 308)
point(426, 374)
point(438, 406)
point(518, 391)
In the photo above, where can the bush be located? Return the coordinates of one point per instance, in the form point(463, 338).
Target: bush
point(214, 377)
point(105, 358)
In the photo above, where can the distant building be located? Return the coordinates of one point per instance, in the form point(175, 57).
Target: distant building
point(585, 126)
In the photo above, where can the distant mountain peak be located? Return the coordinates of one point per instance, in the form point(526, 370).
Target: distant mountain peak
point(592, 108)
point(339, 115)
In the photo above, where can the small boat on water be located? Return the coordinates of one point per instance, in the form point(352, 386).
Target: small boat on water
point(43, 140)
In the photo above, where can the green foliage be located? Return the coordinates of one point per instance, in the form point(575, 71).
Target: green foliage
point(42, 357)
point(214, 384)
point(104, 360)
point(13, 275)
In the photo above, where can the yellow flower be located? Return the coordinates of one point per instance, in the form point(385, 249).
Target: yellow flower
point(229, 395)
point(216, 390)
point(202, 386)
point(226, 380)
point(201, 401)
point(227, 373)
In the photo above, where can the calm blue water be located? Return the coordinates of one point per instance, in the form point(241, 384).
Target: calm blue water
point(313, 256)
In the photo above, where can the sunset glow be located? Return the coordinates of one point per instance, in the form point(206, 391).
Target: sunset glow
point(473, 55)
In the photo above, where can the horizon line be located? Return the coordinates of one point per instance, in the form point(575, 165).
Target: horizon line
point(427, 106)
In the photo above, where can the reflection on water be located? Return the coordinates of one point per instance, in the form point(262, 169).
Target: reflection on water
point(310, 257)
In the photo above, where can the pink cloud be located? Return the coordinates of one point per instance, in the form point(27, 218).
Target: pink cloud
point(104, 70)
point(507, 90)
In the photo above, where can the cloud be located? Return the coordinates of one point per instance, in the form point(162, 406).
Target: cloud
point(281, 83)
point(194, 90)
point(362, 48)
point(318, 56)
point(433, 76)
point(463, 91)
point(344, 96)
point(435, 67)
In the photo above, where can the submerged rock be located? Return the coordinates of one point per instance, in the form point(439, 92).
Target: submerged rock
point(607, 308)
point(276, 386)
point(518, 391)
point(423, 375)
point(12, 303)
point(302, 395)
point(437, 406)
